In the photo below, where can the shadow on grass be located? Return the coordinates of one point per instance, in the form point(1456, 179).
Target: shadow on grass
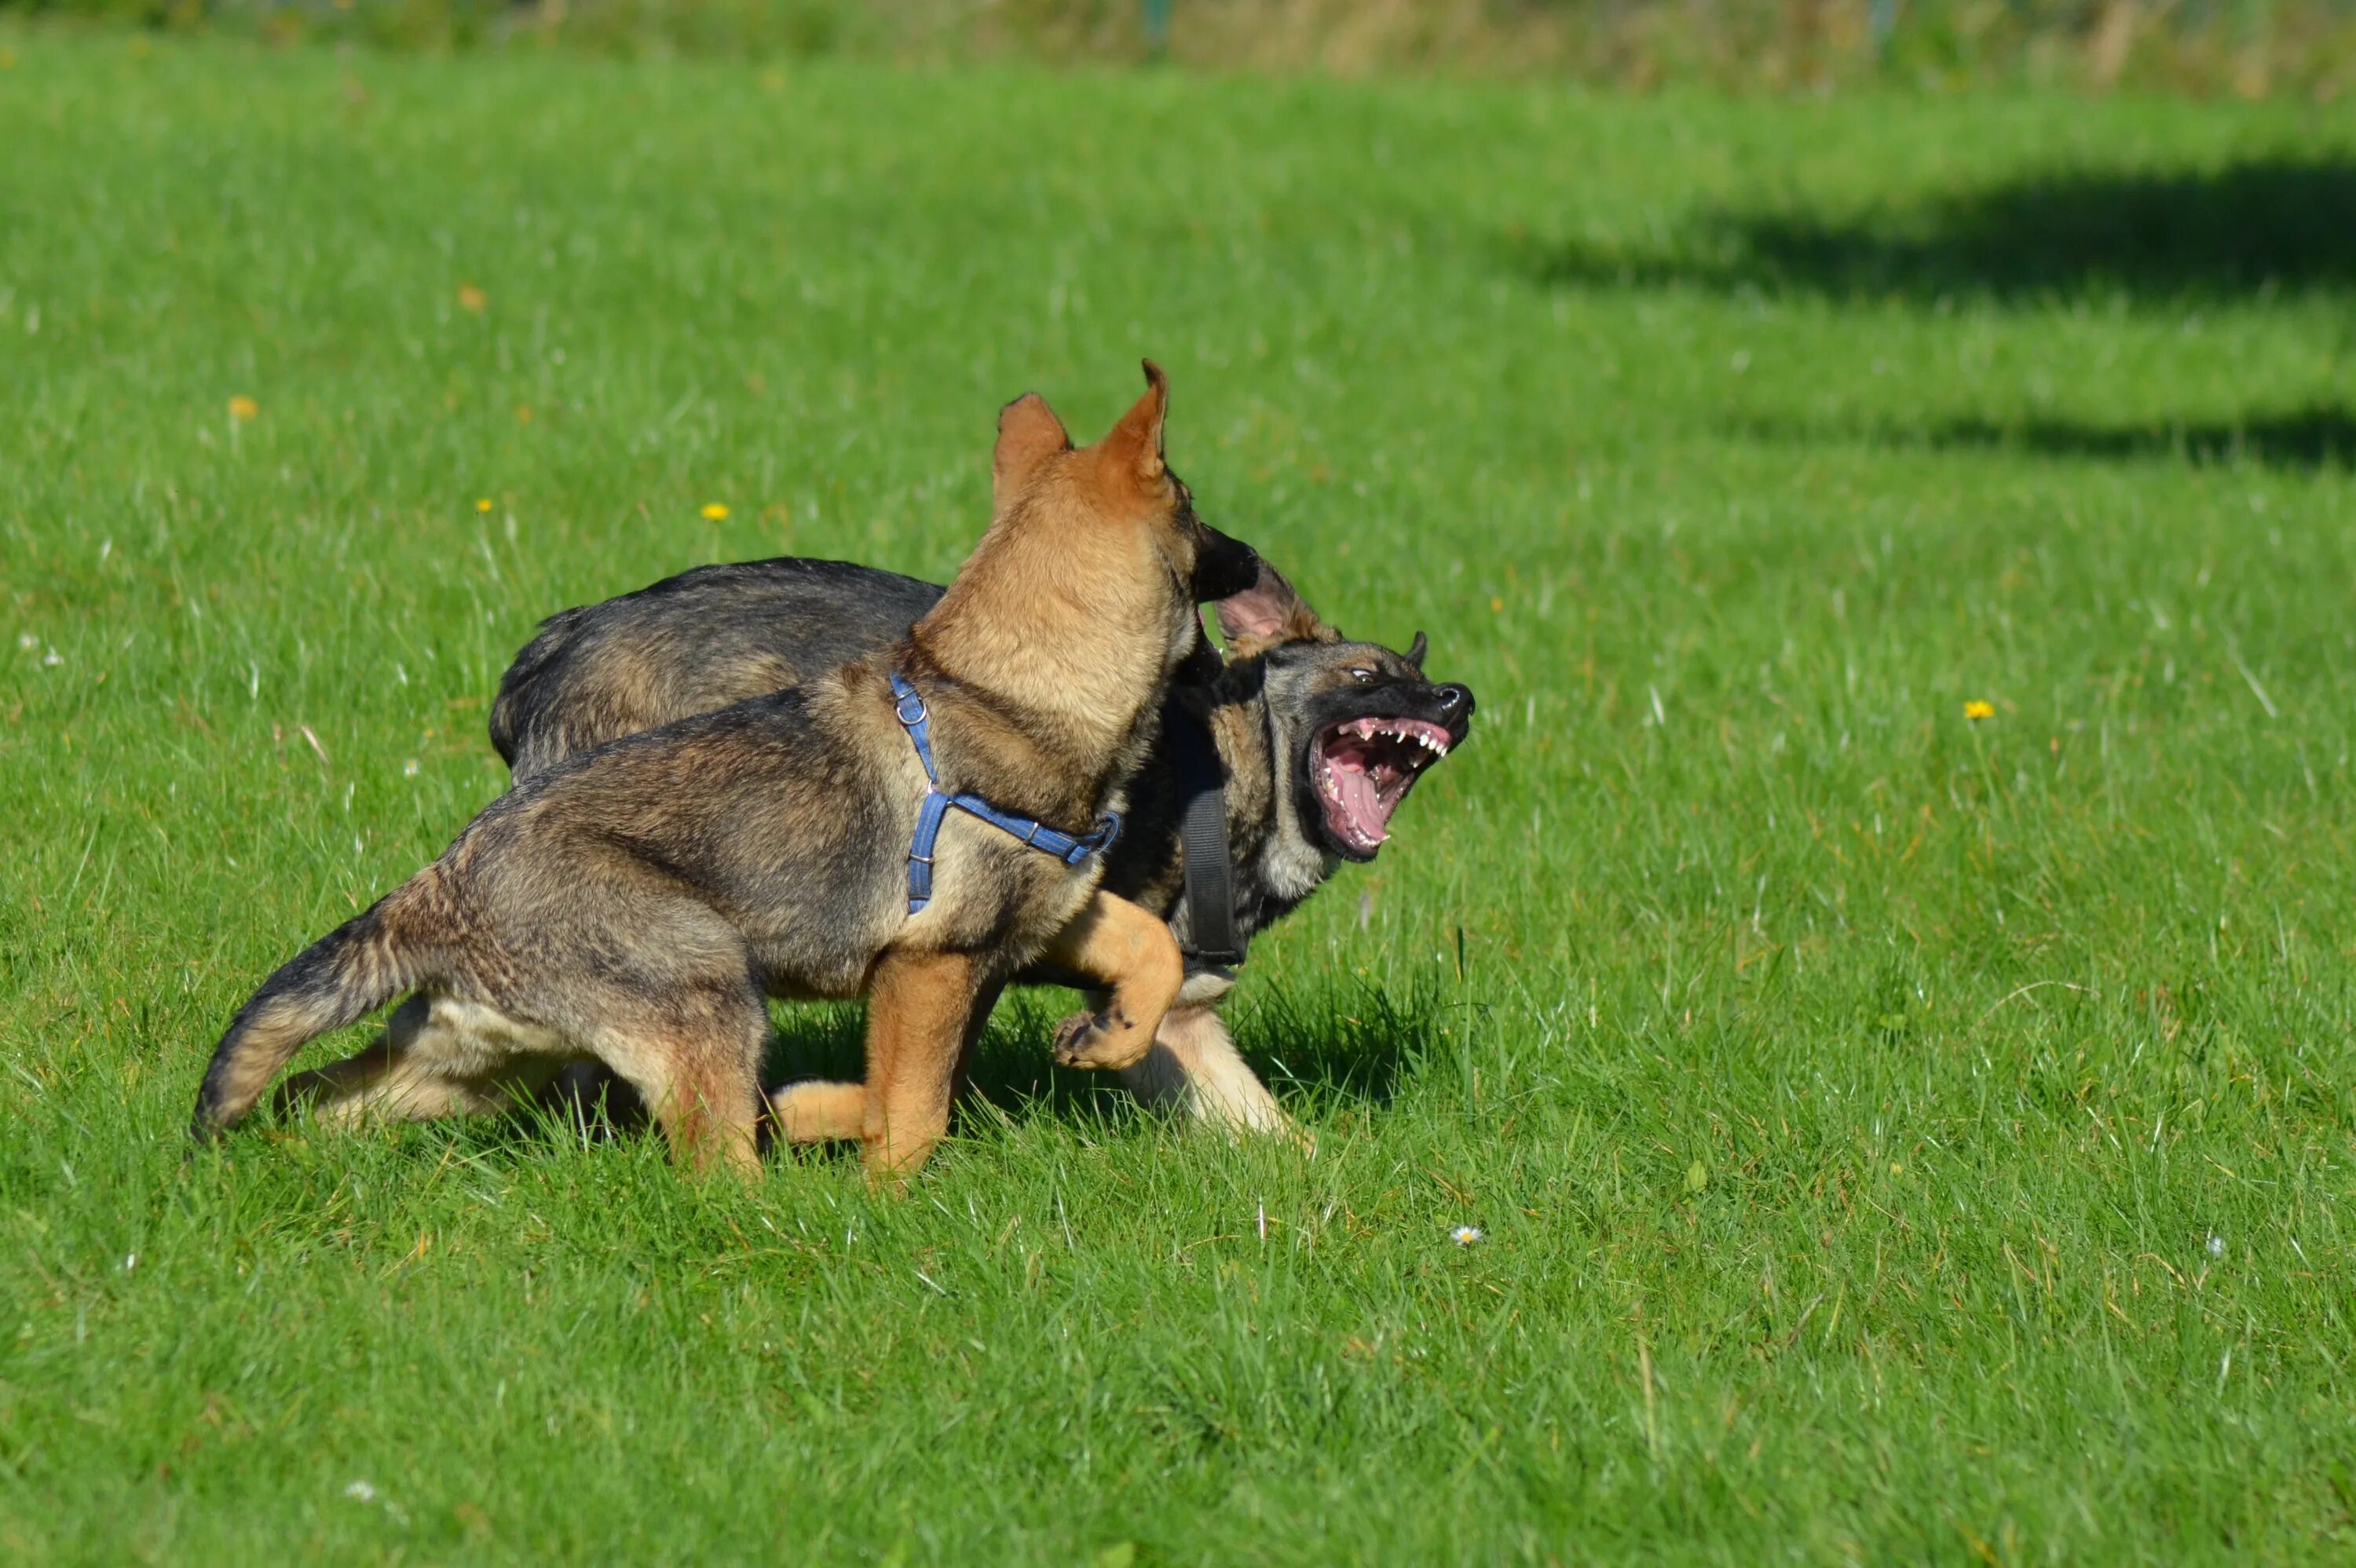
point(1315, 1051)
point(1324, 1049)
point(2309, 439)
point(2280, 223)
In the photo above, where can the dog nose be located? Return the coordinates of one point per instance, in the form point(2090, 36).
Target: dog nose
point(1224, 567)
point(1453, 698)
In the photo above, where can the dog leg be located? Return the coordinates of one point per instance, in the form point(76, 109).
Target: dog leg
point(1132, 955)
point(815, 1111)
point(431, 1061)
point(713, 1115)
point(582, 1090)
point(700, 1078)
point(338, 1093)
point(919, 1009)
point(710, 1115)
point(976, 1022)
point(818, 1111)
point(1196, 1070)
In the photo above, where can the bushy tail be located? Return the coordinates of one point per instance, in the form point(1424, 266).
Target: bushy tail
point(338, 979)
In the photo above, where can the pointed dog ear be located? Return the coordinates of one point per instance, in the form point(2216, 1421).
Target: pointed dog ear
point(1028, 435)
point(1267, 614)
point(1134, 445)
point(1416, 651)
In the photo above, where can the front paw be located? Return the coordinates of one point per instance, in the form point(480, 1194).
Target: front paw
point(1101, 1040)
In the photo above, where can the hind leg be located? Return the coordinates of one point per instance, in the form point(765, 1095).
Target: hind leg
point(697, 1066)
point(436, 1057)
point(585, 1090)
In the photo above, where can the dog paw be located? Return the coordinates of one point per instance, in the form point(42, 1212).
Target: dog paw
point(1101, 1040)
point(813, 1111)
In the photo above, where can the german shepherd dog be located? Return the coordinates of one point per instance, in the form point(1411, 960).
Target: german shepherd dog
point(634, 905)
point(1316, 741)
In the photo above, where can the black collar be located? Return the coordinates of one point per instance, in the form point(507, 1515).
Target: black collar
point(1203, 840)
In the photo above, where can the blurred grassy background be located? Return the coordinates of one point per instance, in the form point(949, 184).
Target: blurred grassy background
point(2247, 48)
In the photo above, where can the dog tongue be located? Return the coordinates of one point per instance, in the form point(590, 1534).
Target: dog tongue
point(1361, 802)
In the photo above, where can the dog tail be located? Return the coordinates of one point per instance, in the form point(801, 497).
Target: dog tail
point(337, 980)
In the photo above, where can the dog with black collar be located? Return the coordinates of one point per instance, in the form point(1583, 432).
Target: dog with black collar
point(1272, 766)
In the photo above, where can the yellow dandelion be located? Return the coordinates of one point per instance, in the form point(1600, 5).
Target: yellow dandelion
point(242, 407)
point(483, 504)
point(1495, 606)
point(523, 414)
point(715, 511)
point(471, 298)
point(1977, 710)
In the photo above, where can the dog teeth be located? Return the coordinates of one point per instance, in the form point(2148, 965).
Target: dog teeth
point(1431, 736)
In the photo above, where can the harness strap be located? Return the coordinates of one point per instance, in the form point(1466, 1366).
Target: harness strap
point(908, 705)
point(1211, 926)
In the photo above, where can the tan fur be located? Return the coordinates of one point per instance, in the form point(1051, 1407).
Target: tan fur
point(1133, 956)
point(1084, 561)
point(816, 1111)
point(916, 1010)
point(1028, 435)
point(1196, 1070)
point(630, 906)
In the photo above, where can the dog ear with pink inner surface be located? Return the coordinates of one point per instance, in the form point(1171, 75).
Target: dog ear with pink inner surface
point(1268, 612)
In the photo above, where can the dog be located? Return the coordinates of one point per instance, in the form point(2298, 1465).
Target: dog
point(912, 827)
point(1301, 744)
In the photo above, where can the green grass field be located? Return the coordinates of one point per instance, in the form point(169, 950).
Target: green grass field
point(1898, 1137)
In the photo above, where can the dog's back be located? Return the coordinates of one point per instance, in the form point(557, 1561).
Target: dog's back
point(636, 905)
point(690, 645)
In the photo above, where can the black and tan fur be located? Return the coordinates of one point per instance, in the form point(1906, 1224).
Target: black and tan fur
point(635, 904)
point(718, 634)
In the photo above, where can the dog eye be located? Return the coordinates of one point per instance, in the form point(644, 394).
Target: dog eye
point(1363, 676)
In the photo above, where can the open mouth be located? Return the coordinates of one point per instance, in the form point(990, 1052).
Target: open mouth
point(1364, 767)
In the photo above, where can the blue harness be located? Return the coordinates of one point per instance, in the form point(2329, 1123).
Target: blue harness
point(909, 706)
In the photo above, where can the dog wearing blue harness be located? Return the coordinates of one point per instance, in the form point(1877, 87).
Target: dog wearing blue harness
point(908, 705)
point(914, 827)
point(1248, 803)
